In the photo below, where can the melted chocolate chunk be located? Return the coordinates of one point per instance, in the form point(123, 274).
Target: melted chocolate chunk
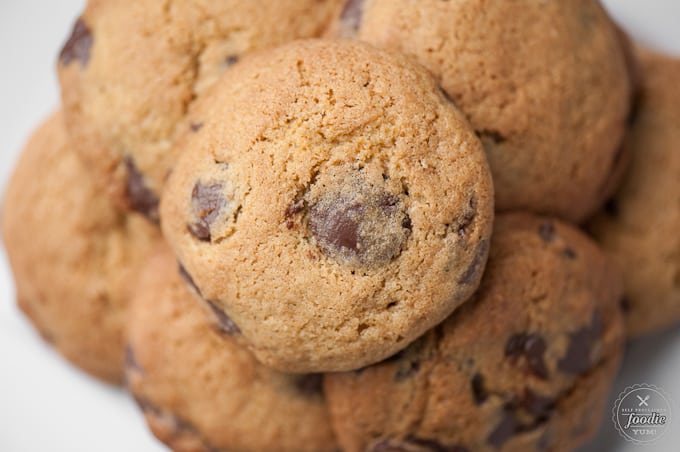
point(196, 126)
point(78, 45)
point(310, 384)
point(140, 197)
point(369, 228)
point(227, 325)
point(352, 14)
point(477, 263)
point(187, 277)
point(207, 202)
point(478, 390)
point(577, 360)
point(547, 231)
point(532, 347)
point(338, 227)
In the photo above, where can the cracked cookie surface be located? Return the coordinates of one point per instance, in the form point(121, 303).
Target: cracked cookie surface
point(333, 204)
point(525, 365)
point(544, 84)
point(74, 255)
point(201, 391)
point(639, 226)
point(129, 73)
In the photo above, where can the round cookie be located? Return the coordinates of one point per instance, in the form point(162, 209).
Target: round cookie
point(200, 390)
point(639, 226)
point(544, 84)
point(130, 71)
point(73, 254)
point(333, 201)
point(525, 365)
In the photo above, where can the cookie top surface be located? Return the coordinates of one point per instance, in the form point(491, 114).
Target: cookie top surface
point(73, 254)
point(524, 365)
point(544, 84)
point(639, 226)
point(129, 73)
point(333, 201)
point(200, 390)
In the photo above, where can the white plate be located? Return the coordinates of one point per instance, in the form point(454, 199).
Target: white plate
point(47, 405)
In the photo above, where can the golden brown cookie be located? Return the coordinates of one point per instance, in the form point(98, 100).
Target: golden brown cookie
point(544, 84)
point(525, 365)
point(130, 71)
point(73, 254)
point(200, 390)
point(640, 226)
point(334, 205)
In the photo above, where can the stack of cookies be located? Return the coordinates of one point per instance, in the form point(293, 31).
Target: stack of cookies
point(322, 225)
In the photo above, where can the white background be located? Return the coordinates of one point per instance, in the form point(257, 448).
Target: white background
point(46, 405)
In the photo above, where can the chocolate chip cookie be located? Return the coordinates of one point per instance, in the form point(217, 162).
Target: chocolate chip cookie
point(544, 84)
point(334, 205)
point(130, 71)
point(639, 227)
point(525, 365)
point(200, 390)
point(73, 254)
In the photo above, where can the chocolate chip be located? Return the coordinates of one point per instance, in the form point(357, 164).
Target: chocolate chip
point(310, 384)
point(577, 360)
point(196, 126)
point(538, 406)
point(78, 45)
point(366, 227)
point(338, 227)
point(532, 347)
point(477, 263)
point(140, 197)
point(478, 390)
point(207, 202)
point(507, 427)
point(187, 277)
point(352, 14)
point(227, 325)
point(231, 60)
point(547, 231)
